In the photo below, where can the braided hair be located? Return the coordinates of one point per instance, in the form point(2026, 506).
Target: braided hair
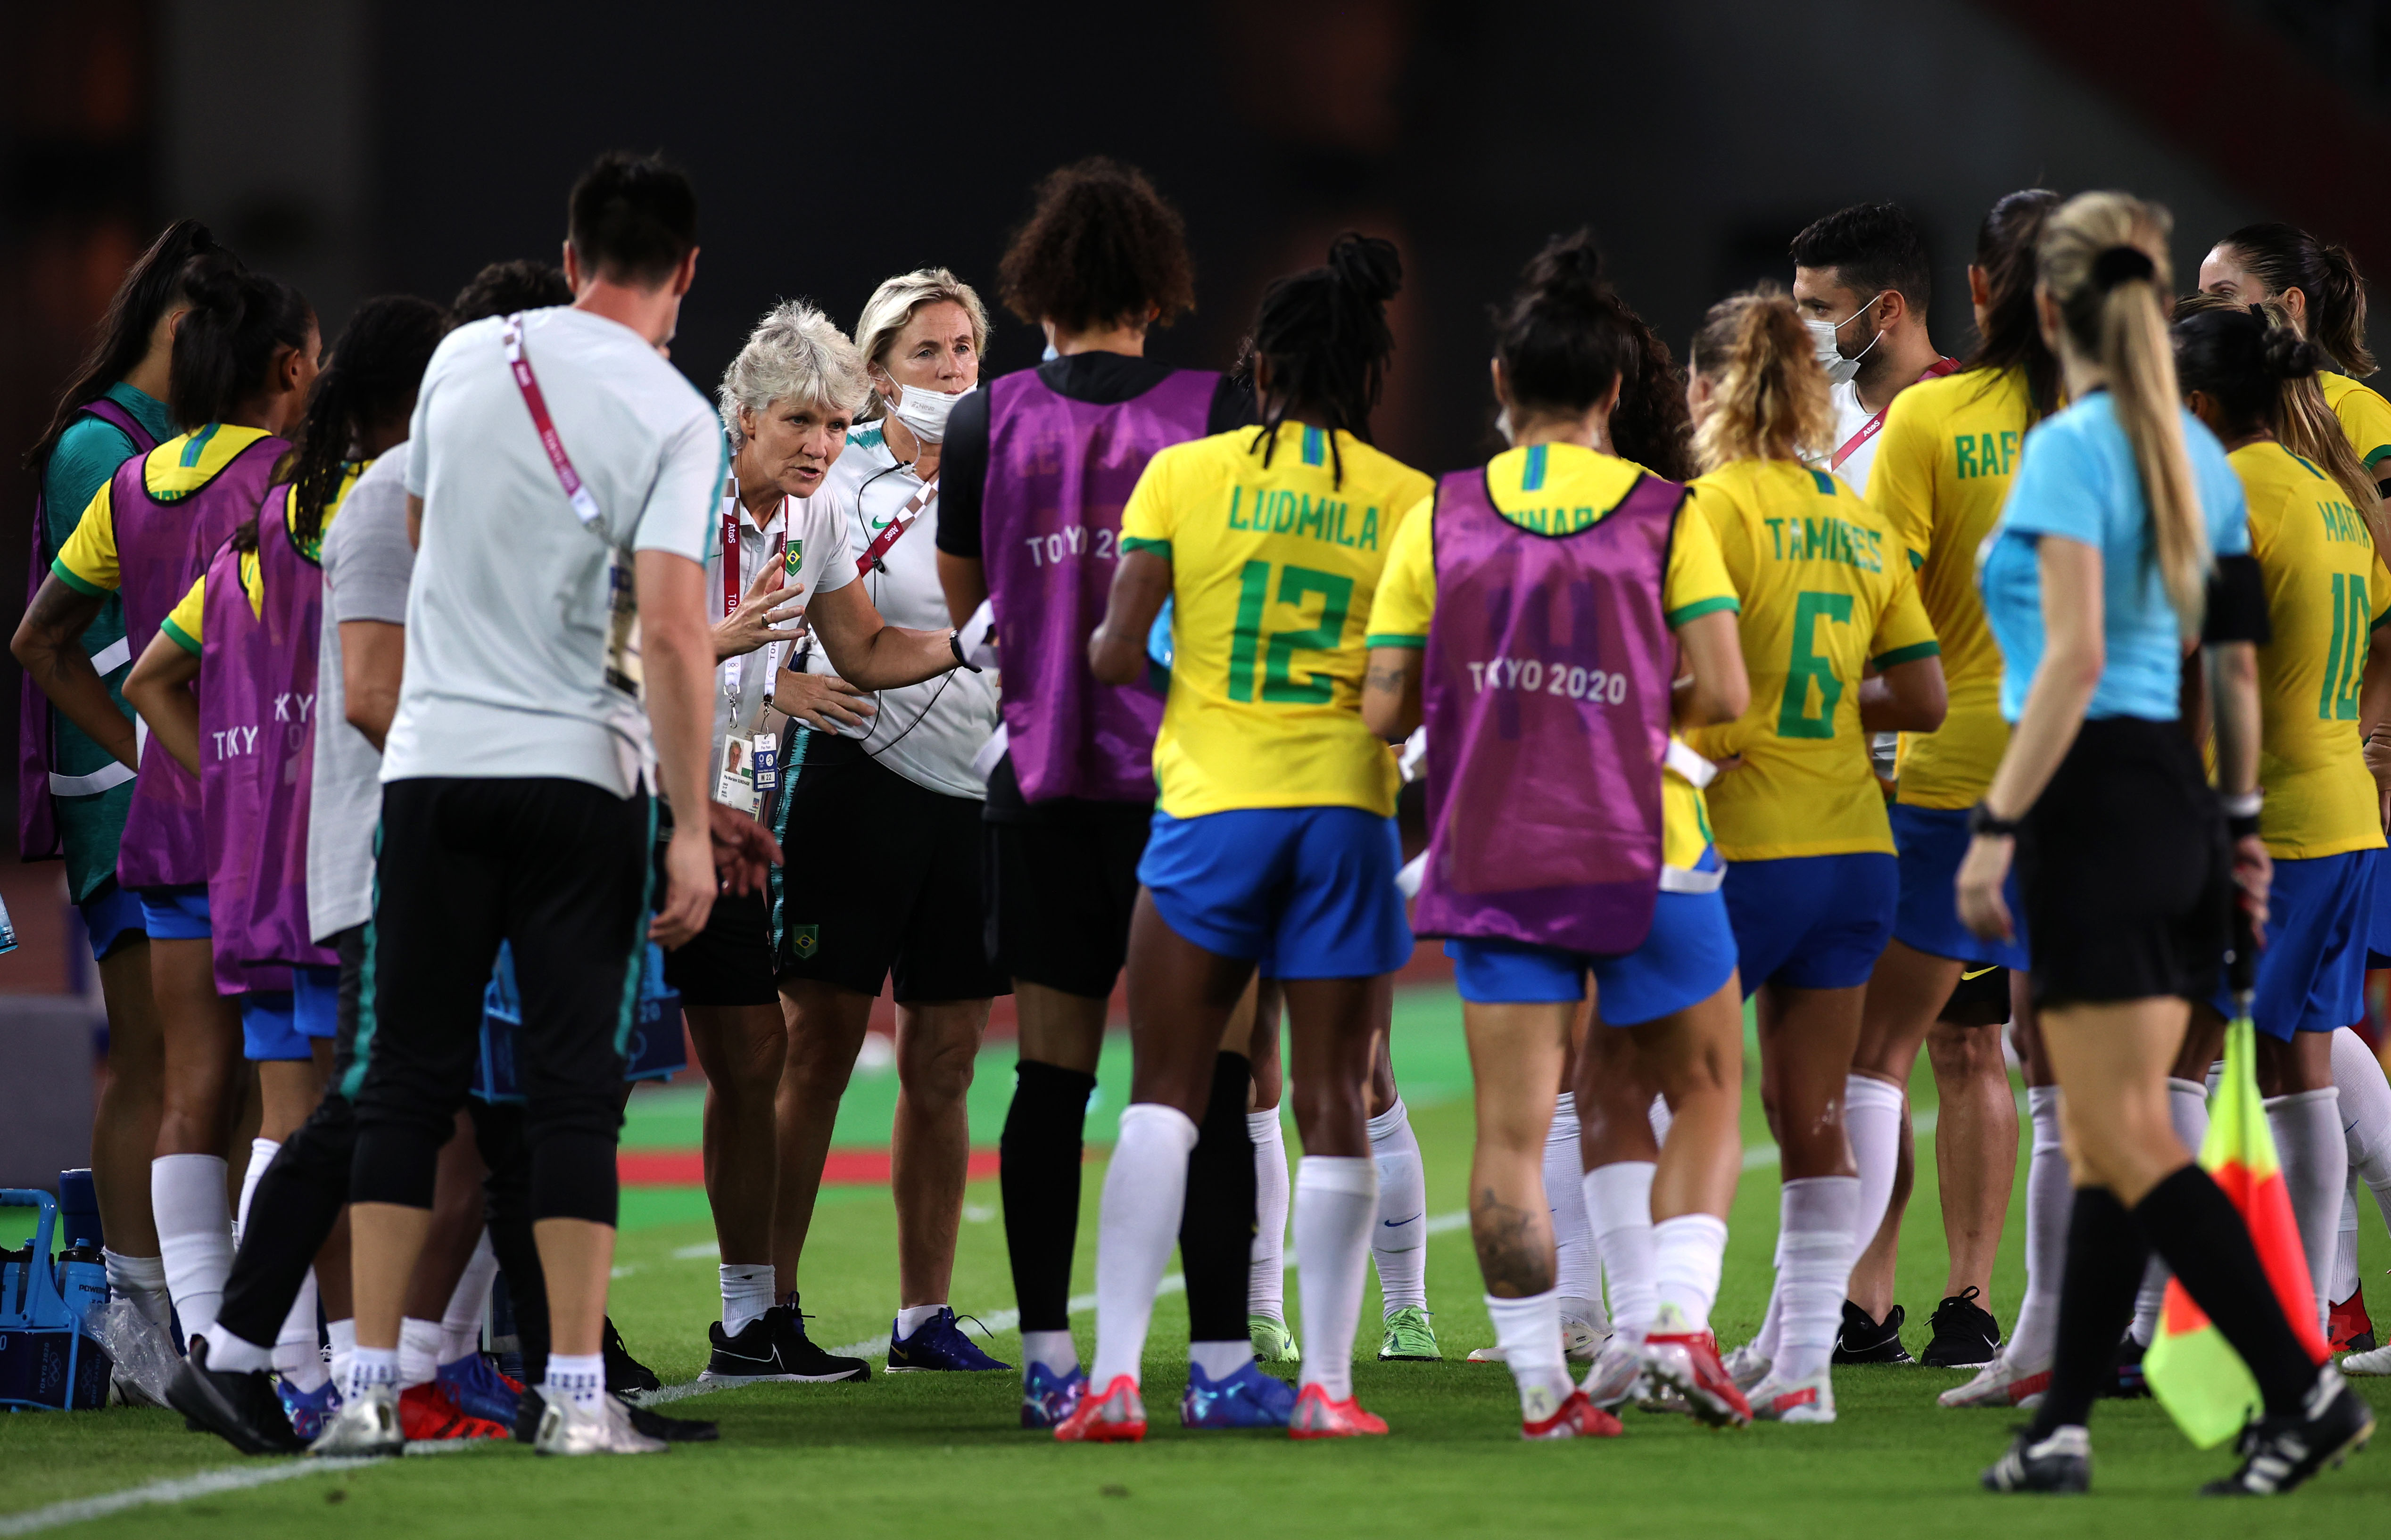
point(1324, 333)
point(370, 378)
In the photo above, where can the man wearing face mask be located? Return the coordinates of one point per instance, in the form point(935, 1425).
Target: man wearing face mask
point(1861, 281)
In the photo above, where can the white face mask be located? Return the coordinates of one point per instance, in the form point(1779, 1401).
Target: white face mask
point(1824, 339)
point(924, 411)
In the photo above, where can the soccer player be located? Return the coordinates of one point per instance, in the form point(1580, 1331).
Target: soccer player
point(1836, 645)
point(1273, 839)
point(1534, 617)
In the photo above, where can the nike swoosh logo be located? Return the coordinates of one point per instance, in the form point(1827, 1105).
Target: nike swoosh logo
point(1398, 1224)
point(742, 1358)
point(1978, 973)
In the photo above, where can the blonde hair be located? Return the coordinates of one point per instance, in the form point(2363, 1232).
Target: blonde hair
point(1770, 399)
point(2102, 259)
point(893, 306)
point(794, 353)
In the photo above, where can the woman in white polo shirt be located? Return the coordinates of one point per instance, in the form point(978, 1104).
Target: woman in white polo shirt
point(895, 775)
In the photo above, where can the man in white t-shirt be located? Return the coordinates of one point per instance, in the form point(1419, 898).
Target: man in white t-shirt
point(1862, 282)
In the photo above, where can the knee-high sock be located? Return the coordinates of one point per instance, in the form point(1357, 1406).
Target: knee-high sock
point(1336, 1204)
point(1529, 1331)
point(1040, 1153)
point(1266, 1278)
point(261, 1155)
point(1873, 1120)
point(1816, 1250)
point(2106, 1253)
point(2316, 1173)
point(461, 1324)
point(2049, 1201)
point(298, 1354)
point(1619, 1205)
point(1399, 1239)
point(1686, 1252)
point(2365, 1115)
point(1577, 1277)
point(2189, 1219)
point(418, 1351)
point(1770, 1338)
point(186, 1194)
point(1216, 1223)
point(2188, 1107)
point(1146, 1188)
point(2345, 1248)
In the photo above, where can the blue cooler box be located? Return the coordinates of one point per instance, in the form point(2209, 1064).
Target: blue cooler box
point(657, 1051)
point(49, 1360)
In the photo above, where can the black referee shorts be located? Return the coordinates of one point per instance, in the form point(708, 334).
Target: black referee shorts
point(1061, 888)
point(2125, 870)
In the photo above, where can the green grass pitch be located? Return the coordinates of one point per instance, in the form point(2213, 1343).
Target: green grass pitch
point(938, 1457)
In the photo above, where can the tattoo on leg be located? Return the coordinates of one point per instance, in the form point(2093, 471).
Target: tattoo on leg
point(1512, 1252)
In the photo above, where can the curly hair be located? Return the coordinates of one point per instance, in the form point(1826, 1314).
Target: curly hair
point(1771, 400)
point(1100, 247)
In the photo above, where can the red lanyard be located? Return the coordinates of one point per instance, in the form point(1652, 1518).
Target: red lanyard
point(584, 506)
point(897, 527)
point(1874, 425)
point(734, 560)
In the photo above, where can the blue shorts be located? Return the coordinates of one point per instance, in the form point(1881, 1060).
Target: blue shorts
point(1689, 954)
point(316, 1001)
point(269, 1027)
point(112, 916)
point(176, 914)
point(2312, 963)
point(1933, 842)
point(1811, 921)
point(2378, 940)
point(1307, 892)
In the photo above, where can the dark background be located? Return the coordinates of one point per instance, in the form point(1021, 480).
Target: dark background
point(362, 146)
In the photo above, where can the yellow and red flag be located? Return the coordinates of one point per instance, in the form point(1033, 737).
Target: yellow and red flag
point(2191, 1368)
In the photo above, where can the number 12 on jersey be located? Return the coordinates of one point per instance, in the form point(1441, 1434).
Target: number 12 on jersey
point(1275, 654)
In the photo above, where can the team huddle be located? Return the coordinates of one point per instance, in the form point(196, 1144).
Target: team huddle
point(412, 717)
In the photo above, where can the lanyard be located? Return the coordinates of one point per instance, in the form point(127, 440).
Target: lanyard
point(734, 580)
point(584, 506)
point(1874, 425)
point(905, 519)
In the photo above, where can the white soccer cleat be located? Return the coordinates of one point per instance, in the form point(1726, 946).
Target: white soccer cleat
point(1580, 1340)
point(368, 1426)
point(1617, 1370)
point(567, 1428)
point(2003, 1383)
point(1746, 1366)
point(2376, 1361)
point(1810, 1400)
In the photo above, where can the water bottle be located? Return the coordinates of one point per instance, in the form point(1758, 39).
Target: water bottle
point(83, 1267)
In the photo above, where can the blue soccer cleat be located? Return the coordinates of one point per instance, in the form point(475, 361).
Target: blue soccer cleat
point(1047, 1398)
point(474, 1385)
point(940, 1344)
point(1246, 1399)
point(309, 1411)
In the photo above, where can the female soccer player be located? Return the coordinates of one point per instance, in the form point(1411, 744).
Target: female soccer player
point(1535, 617)
point(2120, 540)
point(1837, 645)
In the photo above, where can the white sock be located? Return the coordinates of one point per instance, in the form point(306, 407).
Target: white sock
point(1872, 1121)
point(298, 1354)
point(747, 1292)
point(418, 1351)
point(1771, 1336)
point(1146, 1188)
point(1818, 1221)
point(1220, 1360)
point(187, 1195)
point(1686, 1254)
point(580, 1378)
point(461, 1324)
point(1577, 1270)
point(261, 1155)
point(142, 1281)
point(1336, 1206)
point(1266, 1285)
point(2365, 1115)
point(2316, 1171)
point(912, 1318)
point(344, 1336)
point(1054, 1350)
point(2188, 1110)
point(2050, 1199)
point(232, 1354)
point(1530, 1332)
point(2344, 1249)
point(1399, 1240)
point(1660, 1118)
point(369, 1366)
point(1619, 1205)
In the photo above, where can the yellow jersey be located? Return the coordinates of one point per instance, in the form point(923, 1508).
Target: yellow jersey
point(2327, 591)
point(174, 469)
point(1558, 489)
point(1274, 567)
point(1942, 472)
point(185, 622)
point(1828, 596)
point(2364, 415)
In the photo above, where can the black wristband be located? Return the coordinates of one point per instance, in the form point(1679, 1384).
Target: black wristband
point(2241, 828)
point(1984, 825)
point(955, 645)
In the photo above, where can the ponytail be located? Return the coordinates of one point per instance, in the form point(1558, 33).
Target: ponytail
point(2285, 256)
point(370, 378)
point(226, 346)
point(2102, 258)
point(1566, 336)
point(2338, 312)
point(2009, 337)
point(1769, 398)
point(1324, 332)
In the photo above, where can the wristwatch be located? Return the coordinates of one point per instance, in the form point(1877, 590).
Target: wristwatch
point(1982, 822)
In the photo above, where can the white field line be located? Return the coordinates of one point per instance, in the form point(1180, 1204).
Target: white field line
point(182, 1489)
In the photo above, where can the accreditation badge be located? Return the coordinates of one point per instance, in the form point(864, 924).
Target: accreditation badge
point(736, 786)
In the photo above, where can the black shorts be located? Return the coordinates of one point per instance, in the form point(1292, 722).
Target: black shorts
point(1981, 998)
point(884, 882)
point(1060, 892)
point(729, 962)
point(2124, 869)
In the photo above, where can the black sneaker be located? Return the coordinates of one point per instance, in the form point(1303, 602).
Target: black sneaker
point(2125, 1381)
point(2278, 1453)
point(1864, 1339)
point(240, 1408)
point(774, 1347)
point(2061, 1462)
point(672, 1430)
point(1966, 1336)
point(626, 1377)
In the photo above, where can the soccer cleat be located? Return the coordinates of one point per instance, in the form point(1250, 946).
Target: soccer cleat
point(2060, 1463)
point(2125, 1381)
point(2351, 1330)
point(937, 1344)
point(1966, 1336)
point(1409, 1338)
point(1865, 1340)
point(1048, 1399)
point(365, 1427)
point(1578, 1417)
point(2367, 1364)
point(1116, 1417)
point(1618, 1369)
point(309, 1411)
point(2002, 1383)
point(426, 1413)
point(1246, 1399)
point(240, 1408)
point(1317, 1417)
point(1580, 1344)
point(479, 1389)
point(625, 1376)
point(1808, 1400)
point(774, 1347)
point(568, 1427)
point(1686, 1363)
point(673, 1430)
point(1273, 1343)
point(2278, 1453)
point(1746, 1366)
